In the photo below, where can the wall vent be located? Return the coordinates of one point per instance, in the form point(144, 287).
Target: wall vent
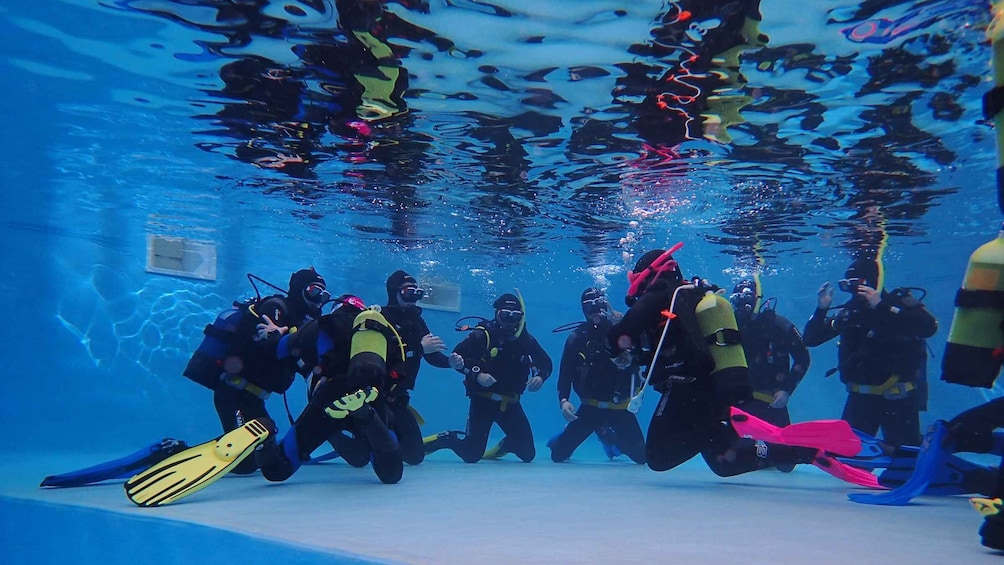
point(180, 257)
point(441, 296)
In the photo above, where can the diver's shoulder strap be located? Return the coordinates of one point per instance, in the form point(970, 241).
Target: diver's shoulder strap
point(993, 102)
point(488, 336)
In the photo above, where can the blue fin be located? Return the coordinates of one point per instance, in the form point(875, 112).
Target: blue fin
point(608, 438)
point(871, 447)
point(930, 458)
point(955, 476)
point(554, 438)
point(873, 455)
point(121, 468)
point(326, 457)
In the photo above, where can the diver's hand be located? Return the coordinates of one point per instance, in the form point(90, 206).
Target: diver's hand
point(432, 343)
point(456, 362)
point(568, 411)
point(267, 327)
point(623, 361)
point(534, 384)
point(825, 296)
point(780, 399)
point(486, 380)
point(870, 294)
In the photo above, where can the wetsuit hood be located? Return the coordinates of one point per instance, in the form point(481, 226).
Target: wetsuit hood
point(394, 283)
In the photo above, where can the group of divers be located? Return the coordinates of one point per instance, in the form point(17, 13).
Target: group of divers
point(724, 367)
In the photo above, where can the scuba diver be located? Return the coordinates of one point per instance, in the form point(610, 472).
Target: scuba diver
point(685, 336)
point(356, 349)
point(500, 361)
point(402, 311)
point(237, 360)
point(882, 352)
point(776, 355)
point(973, 431)
point(242, 361)
point(603, 388)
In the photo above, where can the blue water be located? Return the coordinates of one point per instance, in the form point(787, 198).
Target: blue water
point(527, 149)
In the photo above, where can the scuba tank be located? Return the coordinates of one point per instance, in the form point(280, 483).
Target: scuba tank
point(209, 359)
point(220, 332)
point(717, 322)
point(372, 339)
point(973, 354)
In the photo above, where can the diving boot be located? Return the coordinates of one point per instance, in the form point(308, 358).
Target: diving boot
point(992, 530)
point(436, 442)
point(354, 450)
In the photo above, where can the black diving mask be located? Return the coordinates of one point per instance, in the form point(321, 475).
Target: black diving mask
point(316, 295)
point(851, 285)
point(594, 306)
point(743, 300)
point(412, 294)
point(509, 317)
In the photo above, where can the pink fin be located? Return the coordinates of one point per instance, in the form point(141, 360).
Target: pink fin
point(832, 436)
point(846, 472)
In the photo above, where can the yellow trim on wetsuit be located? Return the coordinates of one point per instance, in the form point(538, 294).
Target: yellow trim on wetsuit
point(504, 399)
point(892, 387)
point(606, 404)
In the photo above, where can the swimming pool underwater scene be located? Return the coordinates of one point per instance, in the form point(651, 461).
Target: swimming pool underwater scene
point(512, 168)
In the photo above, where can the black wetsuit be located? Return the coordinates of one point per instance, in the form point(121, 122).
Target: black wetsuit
point(693, 413)
point(492, 349)
point(604, 392)
point(972, 432)
point(239, 397)
point(336, 377)
point(412, 328)
point(882, 360)
point(771, 342)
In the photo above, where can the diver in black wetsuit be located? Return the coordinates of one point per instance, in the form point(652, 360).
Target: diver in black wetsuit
point(356, 350)
point(771, 342)
point(498, 358)
point(972, 431)
point(604, 389)
point(403, 312)
point(882, 353)
point(693, 414)
point(244, 369)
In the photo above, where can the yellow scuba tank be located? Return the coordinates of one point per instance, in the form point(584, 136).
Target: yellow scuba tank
point(977, 334)
point(717, 322)
point(371, 343)
point(975, 347)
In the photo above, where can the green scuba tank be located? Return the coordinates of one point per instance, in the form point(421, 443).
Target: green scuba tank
point(717, 322)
